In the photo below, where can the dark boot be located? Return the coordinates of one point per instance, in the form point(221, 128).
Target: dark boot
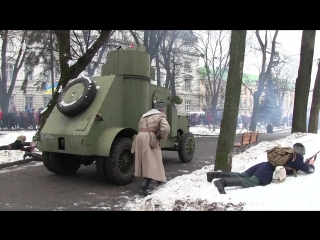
point(227, 182)
point(212, 175)
point(27, 154)
point(144, 186)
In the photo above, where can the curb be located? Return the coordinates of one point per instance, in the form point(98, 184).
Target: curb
point(10, 164)
point(217, 135)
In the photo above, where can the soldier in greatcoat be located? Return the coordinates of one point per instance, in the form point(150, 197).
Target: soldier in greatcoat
point(153, 125)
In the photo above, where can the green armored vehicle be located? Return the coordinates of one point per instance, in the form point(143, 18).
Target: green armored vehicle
point(95, 119)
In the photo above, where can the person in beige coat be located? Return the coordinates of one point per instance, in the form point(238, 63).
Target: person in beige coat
point(153, 127)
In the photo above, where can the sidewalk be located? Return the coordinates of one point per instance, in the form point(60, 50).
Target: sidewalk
point(239, 131)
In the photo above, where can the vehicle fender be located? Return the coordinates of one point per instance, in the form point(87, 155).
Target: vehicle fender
point(105, 141)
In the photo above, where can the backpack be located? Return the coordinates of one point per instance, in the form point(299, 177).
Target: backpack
point(278, 156)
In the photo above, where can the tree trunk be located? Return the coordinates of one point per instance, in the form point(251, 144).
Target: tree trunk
point(263, 76)
point(255, 111)
point(302, 86)
point(158, 70)
point(214, 109)
point(315, 105)
point(224, 151)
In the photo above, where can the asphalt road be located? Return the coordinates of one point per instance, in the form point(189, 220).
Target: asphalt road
point(31, 187)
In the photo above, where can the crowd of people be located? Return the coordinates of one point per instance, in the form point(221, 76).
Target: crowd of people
point(202, 119)
point(207, 119)
point(17, 119)
point(243, 120)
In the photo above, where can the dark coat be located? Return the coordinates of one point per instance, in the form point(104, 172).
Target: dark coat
point(299, 164)
point(17, 145)
point(263, 171)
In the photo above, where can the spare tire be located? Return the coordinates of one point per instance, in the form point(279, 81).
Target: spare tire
point(76, 96)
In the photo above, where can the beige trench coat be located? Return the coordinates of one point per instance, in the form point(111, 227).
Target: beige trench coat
point(148, 161)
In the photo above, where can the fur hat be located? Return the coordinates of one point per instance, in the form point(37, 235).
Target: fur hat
point(299, 148)
point(21, 138)
point(159, 105)
point(279, 174)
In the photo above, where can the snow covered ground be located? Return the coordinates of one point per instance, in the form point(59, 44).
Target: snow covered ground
point(191, 191)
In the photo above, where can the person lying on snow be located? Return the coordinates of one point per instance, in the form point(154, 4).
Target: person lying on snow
point(21, 144)
point(261, 173)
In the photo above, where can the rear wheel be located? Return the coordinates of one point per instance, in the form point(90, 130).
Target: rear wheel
point(120, 164)
point(186, 147)
point(46, 156)
point(64, 164)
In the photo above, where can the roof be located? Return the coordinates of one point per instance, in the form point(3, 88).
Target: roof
point(246, 78)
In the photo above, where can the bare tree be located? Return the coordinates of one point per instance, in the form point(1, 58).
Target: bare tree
point(167, 51)
point(265, 72)
point(283, 78)
point(315, 105)
point(44, 50)
point(302, 87)
point(212, 50)
point(224, 151)
point(171, 54)
point(11, 63)
point(89, 36)
point(151, 39)
point(71, 71)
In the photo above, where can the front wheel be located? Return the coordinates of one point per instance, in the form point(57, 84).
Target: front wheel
point(186, 147)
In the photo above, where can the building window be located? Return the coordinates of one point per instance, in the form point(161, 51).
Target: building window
point(46, 100)
point(187, 66)
point(10, 47)
point(187, 84)
point(46, 76)
point(29, 73)
point(187, 106)
point(9, 71)
point(57, 71)
point(11, 102)
point(29, 102)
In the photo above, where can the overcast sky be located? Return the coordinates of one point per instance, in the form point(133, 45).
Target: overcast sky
point(291, 44)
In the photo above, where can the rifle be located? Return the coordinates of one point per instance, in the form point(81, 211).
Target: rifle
point(313, 156)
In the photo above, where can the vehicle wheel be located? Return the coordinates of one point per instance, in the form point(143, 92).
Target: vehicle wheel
point(101, 167)
point(46, 156)
point(120, 164)
point(186, 147)
point(87, 160)
point(76, 96)
point(64, 164)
